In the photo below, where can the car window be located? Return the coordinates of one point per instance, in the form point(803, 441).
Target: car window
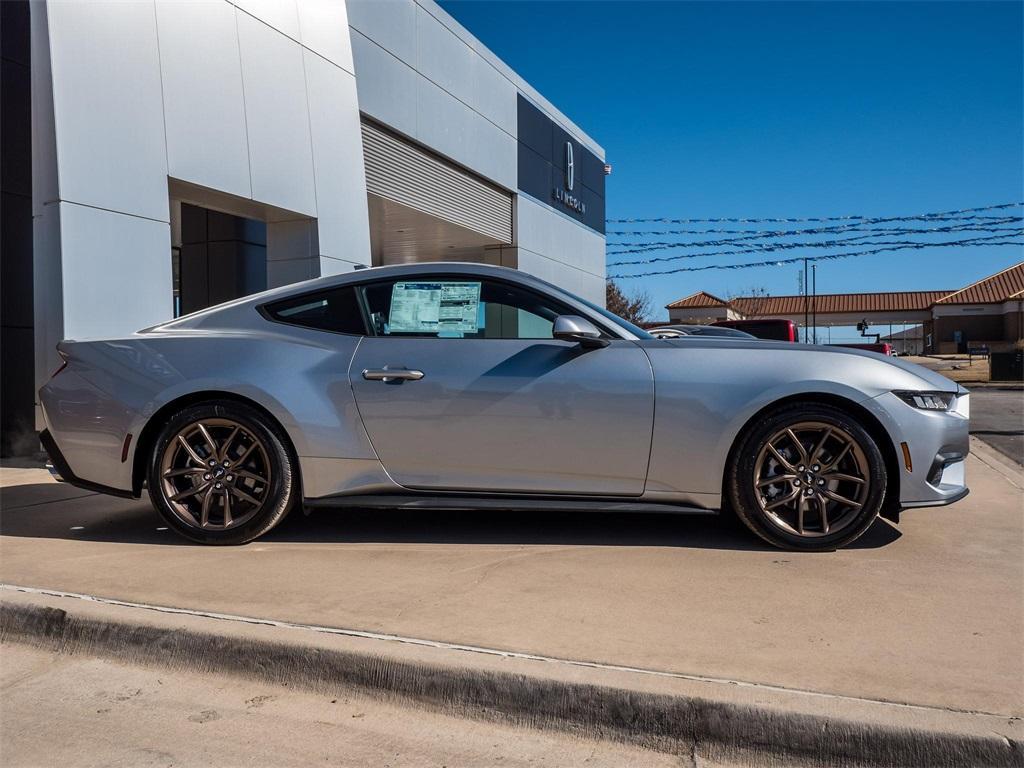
point(335, 310)
point(459, 308)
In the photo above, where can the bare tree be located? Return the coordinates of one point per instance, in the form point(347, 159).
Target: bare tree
point(634, 307)
point(752, 301)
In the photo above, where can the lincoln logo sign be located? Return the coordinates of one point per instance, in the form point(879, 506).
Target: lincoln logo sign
point(570, 166)
point(563, 195)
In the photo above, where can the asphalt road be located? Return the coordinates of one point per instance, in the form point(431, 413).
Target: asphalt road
point(930, 612)
point(997, 417)
point(81, 711)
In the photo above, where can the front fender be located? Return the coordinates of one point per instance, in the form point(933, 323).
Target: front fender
point(699, 467)
point(706, 393)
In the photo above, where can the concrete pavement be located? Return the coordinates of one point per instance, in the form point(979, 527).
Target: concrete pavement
point(929, 613)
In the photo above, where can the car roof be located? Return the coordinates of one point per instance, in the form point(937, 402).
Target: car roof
point(366, 274)
point(229, 311)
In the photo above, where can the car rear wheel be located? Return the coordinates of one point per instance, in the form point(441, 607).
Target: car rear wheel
point(221, 473)
point(807, 477)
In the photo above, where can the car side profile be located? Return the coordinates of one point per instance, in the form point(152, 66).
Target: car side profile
point(465, 386)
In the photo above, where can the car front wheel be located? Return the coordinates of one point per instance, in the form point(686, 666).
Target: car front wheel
point(808, 477)
point(220, 473)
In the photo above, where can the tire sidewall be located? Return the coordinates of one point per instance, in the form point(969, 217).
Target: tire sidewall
point(741, 477)
point(282, 491)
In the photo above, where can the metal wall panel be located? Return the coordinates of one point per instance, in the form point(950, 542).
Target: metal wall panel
point(204, 102)
point(108, 101)
point(402, 172)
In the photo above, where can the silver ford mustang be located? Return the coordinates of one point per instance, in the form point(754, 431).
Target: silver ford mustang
point(462, 386)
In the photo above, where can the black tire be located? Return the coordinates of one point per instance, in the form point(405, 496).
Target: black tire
point(269, 456)
point(746, 470)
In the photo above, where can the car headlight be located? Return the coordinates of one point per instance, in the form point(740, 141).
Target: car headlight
point(927, 401)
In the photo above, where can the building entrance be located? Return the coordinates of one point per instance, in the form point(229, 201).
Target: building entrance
point(219, 257)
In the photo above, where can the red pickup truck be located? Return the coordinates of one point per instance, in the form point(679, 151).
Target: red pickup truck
point(775, 330)
point(882, 347)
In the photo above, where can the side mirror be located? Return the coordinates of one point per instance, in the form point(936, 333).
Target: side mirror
point(578, 329)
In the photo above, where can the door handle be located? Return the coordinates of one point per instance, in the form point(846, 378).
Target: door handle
point(388, 375)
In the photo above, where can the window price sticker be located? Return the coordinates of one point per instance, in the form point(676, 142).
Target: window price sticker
point(434, 307)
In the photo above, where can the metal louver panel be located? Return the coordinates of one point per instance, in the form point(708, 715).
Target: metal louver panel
point(413, 177)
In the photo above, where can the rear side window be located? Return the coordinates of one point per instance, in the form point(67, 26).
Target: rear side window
point(336, 310)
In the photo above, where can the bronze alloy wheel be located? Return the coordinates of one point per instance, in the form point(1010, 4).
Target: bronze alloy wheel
point(215, 474)
point(811, 479)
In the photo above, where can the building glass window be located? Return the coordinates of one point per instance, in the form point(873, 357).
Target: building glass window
point(176, 276)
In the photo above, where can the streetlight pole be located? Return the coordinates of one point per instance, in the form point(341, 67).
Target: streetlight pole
point(814, 300)
point(806, 305)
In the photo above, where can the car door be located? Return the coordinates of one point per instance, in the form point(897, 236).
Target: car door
point(461, 387)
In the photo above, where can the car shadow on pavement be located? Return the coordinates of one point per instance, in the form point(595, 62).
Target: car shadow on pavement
point(46, 511)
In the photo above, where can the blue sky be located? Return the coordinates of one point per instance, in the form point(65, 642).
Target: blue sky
point(786, 109)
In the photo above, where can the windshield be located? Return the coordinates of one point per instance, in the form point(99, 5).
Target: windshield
point(636, 330)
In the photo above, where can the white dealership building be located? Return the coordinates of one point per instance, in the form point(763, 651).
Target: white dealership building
point(185, 152)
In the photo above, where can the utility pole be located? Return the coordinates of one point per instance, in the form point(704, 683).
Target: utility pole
point(806, 305)
point(814, 300)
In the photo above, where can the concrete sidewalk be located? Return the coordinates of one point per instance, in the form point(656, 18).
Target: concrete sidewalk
point(927, 613)
point(696, 720)
point(143, 717)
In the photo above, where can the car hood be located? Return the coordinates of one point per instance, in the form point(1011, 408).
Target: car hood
point(934, 379)
point(929, 378)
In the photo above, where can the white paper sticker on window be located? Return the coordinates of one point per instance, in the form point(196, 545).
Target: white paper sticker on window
point(435, 307)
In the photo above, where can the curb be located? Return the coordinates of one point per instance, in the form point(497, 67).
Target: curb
point(715, 729)
point(998, 461)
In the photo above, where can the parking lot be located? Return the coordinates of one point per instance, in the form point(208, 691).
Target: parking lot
point(929, 612)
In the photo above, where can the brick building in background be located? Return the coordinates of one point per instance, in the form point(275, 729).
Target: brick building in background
point(988, 312)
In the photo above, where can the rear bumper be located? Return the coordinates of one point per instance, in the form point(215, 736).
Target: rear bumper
point(85, 431)
point(63, 472)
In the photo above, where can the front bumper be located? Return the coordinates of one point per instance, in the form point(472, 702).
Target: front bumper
point(942, 503)
point(936, 444)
